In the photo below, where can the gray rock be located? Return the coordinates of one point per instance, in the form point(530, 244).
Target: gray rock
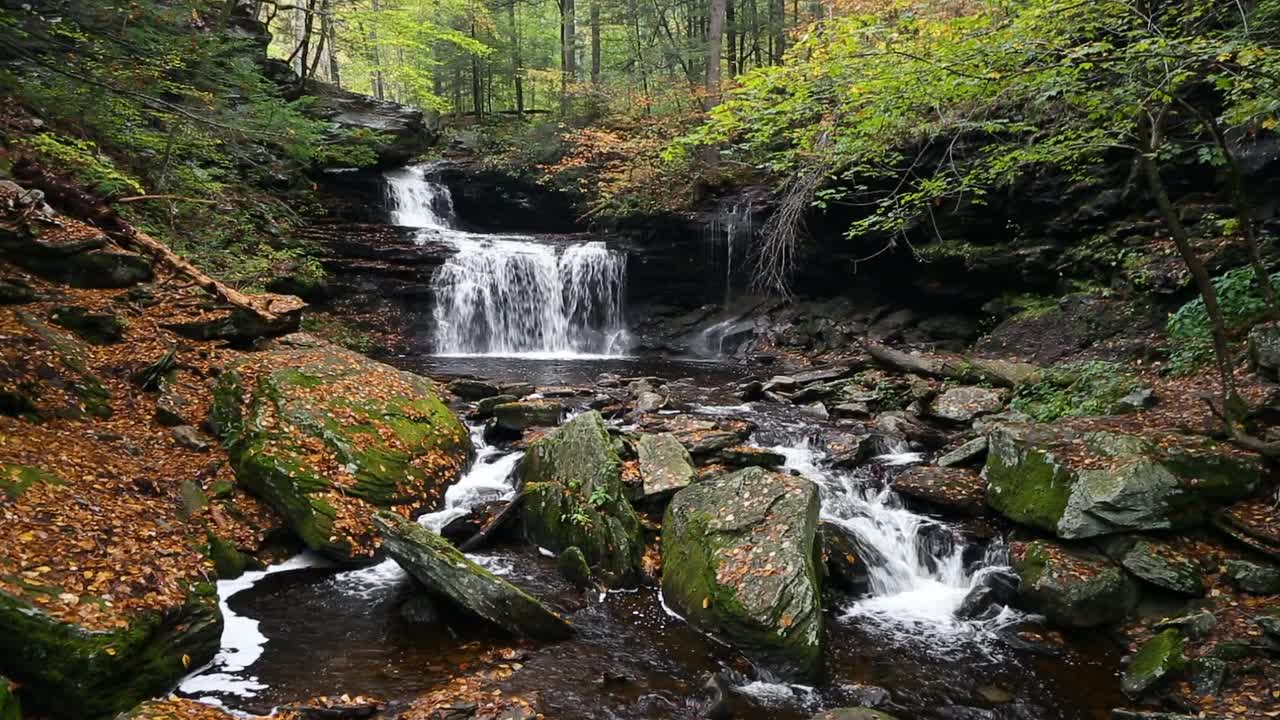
point(1194, 626)
point(1072, 588)
point(1264, 348)
point(522, 415)
point(960, 489)
point(446, 572)
point(190, 438)
point(473, 390)
point(780, 383)
point(573, 565)
point(1085, 484)
point(990, 591)
point(485, 407)
point(748, 456)
point(850, 410)
point(194, 501)
point(175, 404)
point(738, 561)
point(963, 404)
point(15, 292)
point(972, 451)
point(647, 402)
point(1158, 658)
point(821, 375)
point(99, 328)
point(1254, 577)
point(1207, 675)
point(856, 713)
point(1159, 563)
point(816, 410)
point(665, 465)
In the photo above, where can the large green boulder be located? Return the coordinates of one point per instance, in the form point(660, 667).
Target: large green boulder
point(1084, 484)
point(738, 556)
point(574, 496)
point(1072, 588)
point(445, 572)
point(69, 671)
point(1158, 658)
point(327, 436)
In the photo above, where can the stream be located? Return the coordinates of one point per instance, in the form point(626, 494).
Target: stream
point(525, 308)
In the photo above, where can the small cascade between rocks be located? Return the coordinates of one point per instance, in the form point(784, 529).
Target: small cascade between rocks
point(916, 566)
point(727, 236)
point(513, 295)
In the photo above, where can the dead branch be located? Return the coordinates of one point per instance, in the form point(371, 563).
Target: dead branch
point(952, 367)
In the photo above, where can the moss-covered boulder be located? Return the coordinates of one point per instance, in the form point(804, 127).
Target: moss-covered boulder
point(1084, 484)
point(574, 496)
point(739, 556)
point(665, 465)
point(1158, 658)
point(448, 574)
point(327, 436)
point(1253, 577)
point(1072, 588)
point(69, 671)
point(44, 372)
point(524, 414)
point(1161, 563)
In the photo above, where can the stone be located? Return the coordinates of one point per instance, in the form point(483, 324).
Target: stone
point(816, 375)
point(665, 465)
point(322, 433)
point(1270, 625)
point(473, 390)
point(780, 383)
point(401, 130)
point(94, 327)
point(1072, 588)
point(1194, 626)
point(748, 456)
point(1084, 484)
point(1207, 675)
point(419, 610)
point(816, 410)
point(15, 292)
point(525, 414)
point(1254, 577)
point(992, 589)
point(228, 561)
point(739, 562)
point(66, 670)
point(856, 713)
point(647, 402)
point(190, 438)
point(958, 489)
point(447, 573)
point(574, 496)
point(850, 410)
point(846, 565)
point(1158, 658)
point(572, 564)
point(484, 408)
point(176, 403)
point(194, 501)
point(1255, 523)
point(1160, 563)
point(972, 451)
point(1264, 349)
point(963, 404)
point(709, 442)
point(67, 388)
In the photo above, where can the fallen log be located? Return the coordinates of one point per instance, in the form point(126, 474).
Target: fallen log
point(1005, 373)
point(269, 308)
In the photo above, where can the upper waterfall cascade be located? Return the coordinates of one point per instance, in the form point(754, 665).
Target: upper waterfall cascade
point(513, 294)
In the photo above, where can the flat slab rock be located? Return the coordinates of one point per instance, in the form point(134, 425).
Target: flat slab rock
point(959, 488)
point(446, 572)
point(963, 404)
point(1072, 588)
point(739, 562)
point(1255, 523)
point(665, 464)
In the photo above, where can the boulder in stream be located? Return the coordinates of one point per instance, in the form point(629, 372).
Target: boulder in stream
point(326, 436)
point(524, 414)
point(574, 496)
point(739, 562)
point(665, 465)
point(1072, 588)
point(1083, 484)
point(1157, 658)
point(447, 573)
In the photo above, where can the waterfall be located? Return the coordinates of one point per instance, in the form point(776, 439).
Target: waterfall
point(726, 236)
point(513, 294)
point(915, 564)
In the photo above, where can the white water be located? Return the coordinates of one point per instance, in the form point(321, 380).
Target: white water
point(490, 478)
point(511, 295)
point(915, 566)
point(728, 233)
point(242, 641)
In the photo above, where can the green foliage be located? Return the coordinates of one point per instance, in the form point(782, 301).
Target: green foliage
point(82, 160)
point(340, 331)
point(1079, 389)
point(1241, 303)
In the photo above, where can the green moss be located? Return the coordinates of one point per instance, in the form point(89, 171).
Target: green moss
point(228, 562)
point(68, 671)
point(1080, 389)
point(1026, 484)
point(9, 707)
point(1157, 658)
point(17, 479)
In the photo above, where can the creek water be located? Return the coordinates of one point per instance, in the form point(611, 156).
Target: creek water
point(303, 628)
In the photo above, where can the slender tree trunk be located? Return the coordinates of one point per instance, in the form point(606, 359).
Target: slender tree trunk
point(715, 38)
point(595, 42)
point(731, 31)
point(1153, 141)
point(477, 98)
point(517, 62)
point(779, 30)
point(335, 75)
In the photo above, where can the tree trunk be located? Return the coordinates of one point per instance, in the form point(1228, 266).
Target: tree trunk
point(715, 38)
point(1153, 142)
point(595, 42)
point(779, 30)
point(335, 76)
point(731, 30)
point(517, 62)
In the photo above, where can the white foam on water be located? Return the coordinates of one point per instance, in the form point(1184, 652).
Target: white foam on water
point(916, 568)
point(242, 641)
